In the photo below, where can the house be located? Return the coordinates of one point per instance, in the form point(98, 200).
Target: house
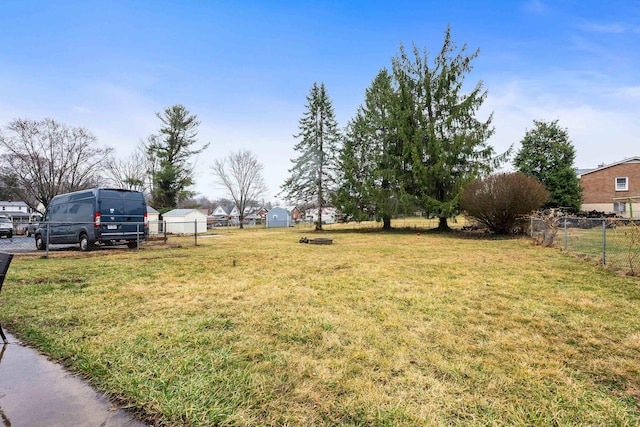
point(278, 217)
point(226, 215)
point(262, 213)
point(296, 214)
point(153, 216)
point(230, 215)
point(251, 217)
point(18, 211)
point(613, 188)
point(329, 215)
point(185, 221)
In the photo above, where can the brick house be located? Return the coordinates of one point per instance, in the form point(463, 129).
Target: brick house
point(607, 187)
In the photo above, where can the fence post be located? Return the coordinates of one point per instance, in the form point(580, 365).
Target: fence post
point(604, 242)
point(195, 231)
point(565, 234)
point(531, 226)
point(164, 229)
point(138, 236)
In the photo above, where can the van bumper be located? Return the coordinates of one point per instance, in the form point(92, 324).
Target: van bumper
point(122, 236)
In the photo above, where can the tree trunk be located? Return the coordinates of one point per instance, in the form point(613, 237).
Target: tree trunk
point(443, 225)
point(386, 223)
point(241, 217)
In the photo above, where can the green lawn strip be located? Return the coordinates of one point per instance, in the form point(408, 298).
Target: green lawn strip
point(254, 328)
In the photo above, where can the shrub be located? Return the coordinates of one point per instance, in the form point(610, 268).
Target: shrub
point(499, 200)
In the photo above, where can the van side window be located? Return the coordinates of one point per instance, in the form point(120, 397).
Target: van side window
point(81, 209)
point(58, 211)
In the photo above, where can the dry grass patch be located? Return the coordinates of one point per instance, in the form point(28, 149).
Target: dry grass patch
point(397, 329)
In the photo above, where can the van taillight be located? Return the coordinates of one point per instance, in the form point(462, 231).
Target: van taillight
point(96, 220)
point(146, 220)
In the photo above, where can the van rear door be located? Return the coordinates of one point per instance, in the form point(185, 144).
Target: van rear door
point(121, 214)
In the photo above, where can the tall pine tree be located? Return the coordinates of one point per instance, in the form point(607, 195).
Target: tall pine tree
point(443, 141)
point(313, 174)
point(370, 160)
point(548, 155)
point(171, 150)
point(417, 141)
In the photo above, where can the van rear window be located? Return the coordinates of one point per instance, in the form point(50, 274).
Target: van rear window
point(114, 202)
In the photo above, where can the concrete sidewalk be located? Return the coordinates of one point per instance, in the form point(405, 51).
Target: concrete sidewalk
point(36, 392)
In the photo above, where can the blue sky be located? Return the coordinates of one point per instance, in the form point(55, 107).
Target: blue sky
point(245, 67)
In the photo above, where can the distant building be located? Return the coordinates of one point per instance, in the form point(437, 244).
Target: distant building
point(17, 210)
point(278, 217)
point(329, 215)
point(611, 188)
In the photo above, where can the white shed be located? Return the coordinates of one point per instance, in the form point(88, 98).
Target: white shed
point(153, 216)
point(185, 221)
point(278, 217)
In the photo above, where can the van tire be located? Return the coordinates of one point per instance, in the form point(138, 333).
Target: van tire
point(85, 244)
point(40, 244)
point(132, 244)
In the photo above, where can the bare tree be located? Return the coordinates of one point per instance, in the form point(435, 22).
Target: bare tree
point(49, 158)
point(134, 172)
point(241, 174)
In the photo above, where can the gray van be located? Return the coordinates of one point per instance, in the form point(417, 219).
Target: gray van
point(95, 216)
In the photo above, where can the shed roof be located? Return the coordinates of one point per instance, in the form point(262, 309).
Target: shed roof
point(182, 212)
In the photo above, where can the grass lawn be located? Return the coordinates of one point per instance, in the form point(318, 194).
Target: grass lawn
point(378, 329)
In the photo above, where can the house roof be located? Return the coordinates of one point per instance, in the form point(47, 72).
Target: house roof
point(226, 208)
point(635, 159)
point(12, 203)
point(151, 210)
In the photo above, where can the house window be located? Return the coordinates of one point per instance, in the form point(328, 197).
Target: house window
point(622, 183)
point(620, 207)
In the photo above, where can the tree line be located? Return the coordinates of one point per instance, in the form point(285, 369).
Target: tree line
point(45, 158)
point(416, 143)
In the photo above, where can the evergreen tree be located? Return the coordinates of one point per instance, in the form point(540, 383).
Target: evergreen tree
point(548, 155)
point(313, 173)
point(171, 149)
point(443, 141)
point(369, 159)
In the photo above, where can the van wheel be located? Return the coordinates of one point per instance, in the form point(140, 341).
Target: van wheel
point(40, 245)
point(85, 245)
point(132, 244)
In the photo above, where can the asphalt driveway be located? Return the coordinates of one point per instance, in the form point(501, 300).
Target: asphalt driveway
point(36, 392)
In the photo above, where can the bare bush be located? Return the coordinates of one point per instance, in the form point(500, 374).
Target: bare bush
point(499, 200)
point(551, 220)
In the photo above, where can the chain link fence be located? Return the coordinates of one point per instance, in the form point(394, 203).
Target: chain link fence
point(185, 233)
point(612, 242)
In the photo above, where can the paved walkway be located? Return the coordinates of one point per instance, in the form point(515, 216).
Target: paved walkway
point(35, 392)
